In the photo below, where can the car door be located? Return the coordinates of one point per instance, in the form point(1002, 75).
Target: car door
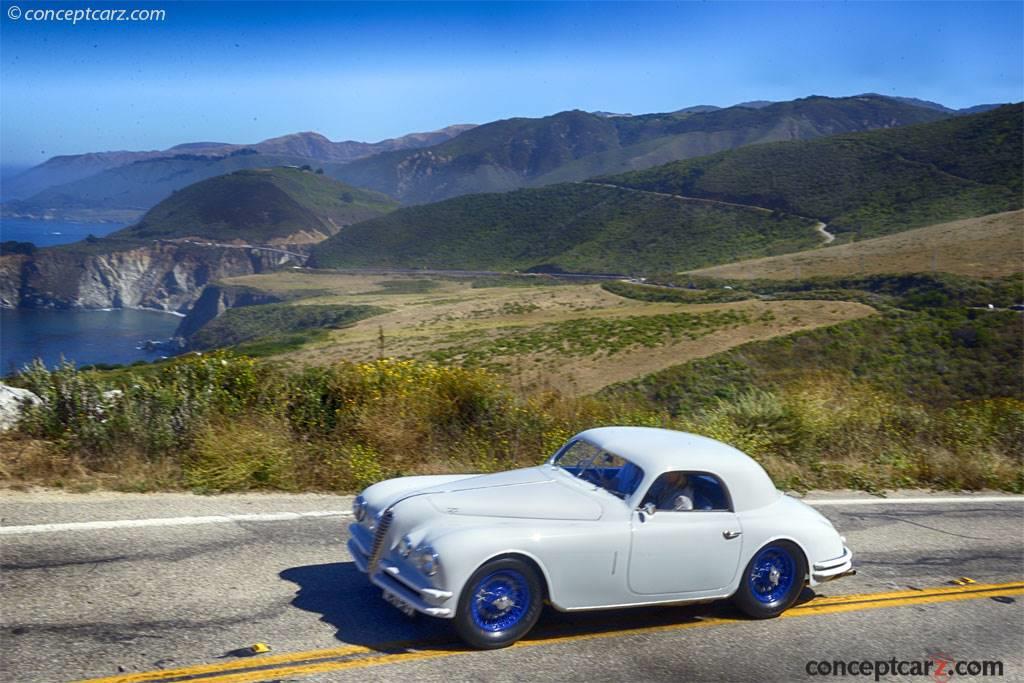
point(690, 551)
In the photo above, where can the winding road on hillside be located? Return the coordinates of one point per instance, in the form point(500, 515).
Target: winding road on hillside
point(172, 587)
point(819, 226)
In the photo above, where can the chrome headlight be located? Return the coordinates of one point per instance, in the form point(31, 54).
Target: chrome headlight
point(405, 546)
point(359, 508)
point(426, 560)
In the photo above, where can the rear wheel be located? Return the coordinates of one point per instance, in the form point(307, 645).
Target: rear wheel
point(499, 604)
point(772, 580)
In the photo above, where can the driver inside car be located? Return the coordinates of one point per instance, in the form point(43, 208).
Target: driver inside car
point(672, 491)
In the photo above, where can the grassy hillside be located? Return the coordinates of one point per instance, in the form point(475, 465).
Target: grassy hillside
point(273, 328)
point(580, 228)
point(935, 344)
point(986, 246)
point(574, 145)
point(866, 184)
point(930, 392)
point(257, 206)
point(572, 336)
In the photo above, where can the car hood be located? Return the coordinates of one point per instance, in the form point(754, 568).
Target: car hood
point(525, 494)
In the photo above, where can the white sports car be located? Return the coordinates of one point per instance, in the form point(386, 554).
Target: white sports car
point(618, 517)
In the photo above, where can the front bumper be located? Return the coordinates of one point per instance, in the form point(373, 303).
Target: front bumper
point(399, 578)
point(835, 568)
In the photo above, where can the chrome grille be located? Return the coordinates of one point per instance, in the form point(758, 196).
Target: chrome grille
point(378, 539)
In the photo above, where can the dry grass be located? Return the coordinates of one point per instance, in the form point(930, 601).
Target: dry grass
point(987, 246)
point(27, 462)
point(454, 315)
point(576, 376)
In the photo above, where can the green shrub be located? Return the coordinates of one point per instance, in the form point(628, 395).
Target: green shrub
point(240, 456)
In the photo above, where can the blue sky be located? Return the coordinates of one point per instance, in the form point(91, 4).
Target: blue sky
point(242, 72)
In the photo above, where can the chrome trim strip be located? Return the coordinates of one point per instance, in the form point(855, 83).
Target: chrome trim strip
point(378, 537)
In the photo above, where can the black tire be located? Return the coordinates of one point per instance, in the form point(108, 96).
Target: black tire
point(756, 596)
point(484, 624)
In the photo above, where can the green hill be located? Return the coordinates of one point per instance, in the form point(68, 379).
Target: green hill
point(571, 227)
point(867, 184)
point(574, 145)
point(259, 205)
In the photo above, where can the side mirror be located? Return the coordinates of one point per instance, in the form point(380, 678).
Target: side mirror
point(649, 508)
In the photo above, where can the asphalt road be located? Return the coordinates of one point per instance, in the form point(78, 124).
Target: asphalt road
point(179, 596)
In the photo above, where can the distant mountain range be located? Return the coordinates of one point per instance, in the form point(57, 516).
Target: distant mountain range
point(574, 145)
point(746, 202)
point(303, 147)
point(463, 159)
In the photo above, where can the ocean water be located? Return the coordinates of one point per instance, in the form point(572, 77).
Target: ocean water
point(48, 233)
point(85, 337)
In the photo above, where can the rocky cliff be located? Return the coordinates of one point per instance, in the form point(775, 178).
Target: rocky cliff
point(216, 299)
point(163, 275)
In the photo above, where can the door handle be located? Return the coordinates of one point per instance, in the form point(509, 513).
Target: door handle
point(731, 534)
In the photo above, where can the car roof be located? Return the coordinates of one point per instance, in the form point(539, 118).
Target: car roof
point(663, 450)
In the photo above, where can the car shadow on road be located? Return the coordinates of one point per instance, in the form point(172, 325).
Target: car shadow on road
point(345, 599)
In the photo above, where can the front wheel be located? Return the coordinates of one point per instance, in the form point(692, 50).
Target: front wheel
point(772, 580)
point(500, 604)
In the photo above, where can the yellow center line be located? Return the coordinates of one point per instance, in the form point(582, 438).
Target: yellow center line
point(285, 658)
point(310, 662)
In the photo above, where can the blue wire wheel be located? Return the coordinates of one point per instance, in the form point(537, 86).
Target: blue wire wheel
point(500, 600)
point(772, 574)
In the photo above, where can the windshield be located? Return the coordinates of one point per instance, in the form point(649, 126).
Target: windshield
point(611, 472)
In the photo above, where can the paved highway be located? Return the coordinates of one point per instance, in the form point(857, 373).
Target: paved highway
point(170, 587)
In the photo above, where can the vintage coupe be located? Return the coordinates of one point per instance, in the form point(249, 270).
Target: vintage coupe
point(618, 517)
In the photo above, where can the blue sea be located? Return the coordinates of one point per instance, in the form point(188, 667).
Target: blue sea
point(48, 233)
point(85, 337)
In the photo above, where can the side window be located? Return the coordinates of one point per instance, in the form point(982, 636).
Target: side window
point(686, 491)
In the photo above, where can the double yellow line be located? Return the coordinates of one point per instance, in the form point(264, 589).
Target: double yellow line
point(360, 657)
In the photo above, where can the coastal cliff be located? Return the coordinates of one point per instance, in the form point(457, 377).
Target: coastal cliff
point(162, 275)
point(216, 299)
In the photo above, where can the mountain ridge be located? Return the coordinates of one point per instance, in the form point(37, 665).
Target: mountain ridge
point(573, 145)
point(68, 168)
